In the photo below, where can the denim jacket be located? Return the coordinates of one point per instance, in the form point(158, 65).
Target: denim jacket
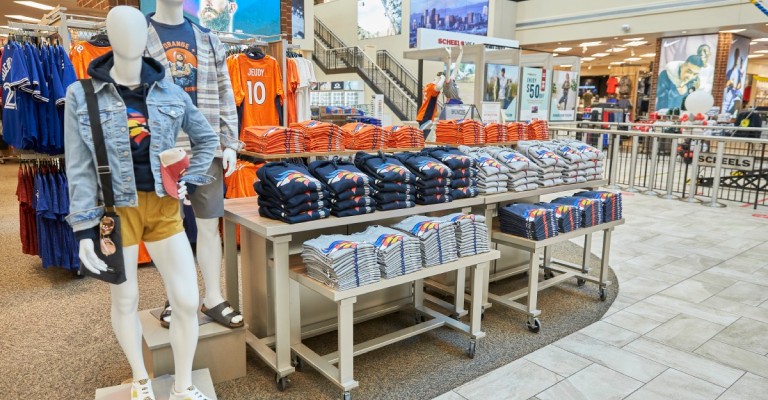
point(170, 110)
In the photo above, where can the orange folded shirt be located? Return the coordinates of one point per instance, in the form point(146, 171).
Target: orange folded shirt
point(240, 184)
point(405, 137)
point(321, 136)
point(360, 136)
point(273, 140)
point(447, 131)
point(471, 131)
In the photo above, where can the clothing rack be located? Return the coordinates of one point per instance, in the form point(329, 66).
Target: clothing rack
point(72, 27)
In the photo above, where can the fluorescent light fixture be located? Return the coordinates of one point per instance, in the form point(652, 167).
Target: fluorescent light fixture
point(761, 51)
point(566, 66)
point(633, 59)
point(617, 49)
point(648, 55)
point(755, 55)
point(733, 31)
point(635, 43)
point(591, 44)
point(562, 49)
point(600, 55)
point(754, 43)
point(588, 59)
point(634, 39)
point(617, 62)
point(765, 39)
point(35, 4)
point(23, 18)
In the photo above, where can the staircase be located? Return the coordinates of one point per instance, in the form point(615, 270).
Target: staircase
point(400, 88)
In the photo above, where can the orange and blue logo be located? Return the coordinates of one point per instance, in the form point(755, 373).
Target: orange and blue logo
point(341, 174)
point(293, 176)
point(431, 165)
point(488, 162)
point(340, 245)
point(584, 203)
point(470, 217)
point(389, 167)
point(386, 241)
point(423, 227)
point(545, 154)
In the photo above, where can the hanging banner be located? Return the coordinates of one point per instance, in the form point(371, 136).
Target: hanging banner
point(686, 65)
point(436, 39)
point(564, 100)
point(501, 85)
point(246, 16)
point(735, 73)
point(465, 16)
point(534, 97)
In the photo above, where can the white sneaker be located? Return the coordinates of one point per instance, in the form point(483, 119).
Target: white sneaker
point(142, 390)
point(192, 393)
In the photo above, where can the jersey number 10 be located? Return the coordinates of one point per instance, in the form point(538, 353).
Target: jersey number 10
point(256, 90)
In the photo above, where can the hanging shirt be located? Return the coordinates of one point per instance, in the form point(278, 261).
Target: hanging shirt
point(427, 109)
point(611, 85)
point(258, 86)
point(14, 76)
point(181, 50)
point(83, 53)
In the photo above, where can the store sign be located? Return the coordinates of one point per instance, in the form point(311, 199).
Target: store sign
point(491, 112)
point(378, 106)
point(337, 85)
point(730, 161)
point(458, 111)
point(435, 39)
point(534, 96)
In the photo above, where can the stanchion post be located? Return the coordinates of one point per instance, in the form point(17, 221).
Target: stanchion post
point(718, 169)
point(615, 144)
point(671, 171)
point(654, 165)
point(691, 198)
point(633, 165)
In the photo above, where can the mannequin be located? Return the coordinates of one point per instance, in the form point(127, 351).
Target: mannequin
point(172, 254)
point(208, 203)
point(451, 89)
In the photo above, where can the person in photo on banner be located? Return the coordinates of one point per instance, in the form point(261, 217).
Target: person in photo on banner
point(734, 83)
point(217, 15)
point(675, 82)
point(562, 104)
point(503, 85)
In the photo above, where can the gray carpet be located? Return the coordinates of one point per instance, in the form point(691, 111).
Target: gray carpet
point(56, 339)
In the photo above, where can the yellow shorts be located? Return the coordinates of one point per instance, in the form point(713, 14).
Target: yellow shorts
point(156, 218)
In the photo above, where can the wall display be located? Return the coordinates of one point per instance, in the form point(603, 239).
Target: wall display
point(466, 16)
point(534, 96)
point(297, 19)
point(564, 96)
point(379, 18)
point(686, 65)
point(735, 73)
point(501, 84)
point(257, 17)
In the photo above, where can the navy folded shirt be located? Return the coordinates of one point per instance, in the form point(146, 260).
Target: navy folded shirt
point(424, 167)
point(294, 219)
point(287, 179)
point(450, 156)
point(385, 168)
point(338, 175)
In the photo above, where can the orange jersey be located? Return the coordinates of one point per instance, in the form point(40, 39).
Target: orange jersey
point(292, 73)
point(82, 54)
point(256, 84)
point(429, 105)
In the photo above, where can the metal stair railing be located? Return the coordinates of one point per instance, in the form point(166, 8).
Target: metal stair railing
point(398, 72)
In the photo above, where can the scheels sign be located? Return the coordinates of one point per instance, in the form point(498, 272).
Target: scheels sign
point(432, 39)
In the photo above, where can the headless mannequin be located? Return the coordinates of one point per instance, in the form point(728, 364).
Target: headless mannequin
point(172, 256)
point(209, 250)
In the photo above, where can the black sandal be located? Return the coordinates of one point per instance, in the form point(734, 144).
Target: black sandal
point(165, 314)
point(225, 320)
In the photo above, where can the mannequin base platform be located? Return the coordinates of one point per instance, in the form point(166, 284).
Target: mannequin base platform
point(219, 349)
point(201, 378)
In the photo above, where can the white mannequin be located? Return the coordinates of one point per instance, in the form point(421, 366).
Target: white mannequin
point(173, 256)
point(209, 251)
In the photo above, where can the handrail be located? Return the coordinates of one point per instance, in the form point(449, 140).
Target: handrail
point(384, 58)
point(661, 135)
point(665, 126)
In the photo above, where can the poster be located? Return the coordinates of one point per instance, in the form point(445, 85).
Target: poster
point(464, 16)
point(534, 96)
point(735, 73)
point(379, 18)
point(256, 17)
point(564, 96)
point(297, 18)
point(501, 84)
point(465, 81)
point(687, 64)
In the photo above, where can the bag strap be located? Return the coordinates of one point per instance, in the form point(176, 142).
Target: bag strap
point(102, 168)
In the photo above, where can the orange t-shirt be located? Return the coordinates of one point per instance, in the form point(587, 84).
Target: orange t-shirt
point(82, 54)
point(293, 84)
point(429, 103)
point(256, 84)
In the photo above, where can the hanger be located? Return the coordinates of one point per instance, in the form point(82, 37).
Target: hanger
point(254, 52)
point(100, 40)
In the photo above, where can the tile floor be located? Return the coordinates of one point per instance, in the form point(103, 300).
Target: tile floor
point(690, 320)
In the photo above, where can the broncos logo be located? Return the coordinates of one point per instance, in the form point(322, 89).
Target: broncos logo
point(470, 217)
point(537, 213)
point(427, 165)
point(562, 210)
point(389, 167)
point(294, 176)
point(340, 245)
point(385, 241)
point(545, 154)
point(606, 196)
point(584, 203)
point(424, 227)
point(340, 174)
point(514, 157)
point(488, 162)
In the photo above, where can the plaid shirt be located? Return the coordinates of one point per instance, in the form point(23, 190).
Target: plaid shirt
point(215, 98)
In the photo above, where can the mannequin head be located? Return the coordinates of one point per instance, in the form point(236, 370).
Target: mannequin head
point(217, 14)
point(126, 28)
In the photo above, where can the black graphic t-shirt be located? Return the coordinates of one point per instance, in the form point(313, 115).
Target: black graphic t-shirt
point(181, 50)
point(138, 128)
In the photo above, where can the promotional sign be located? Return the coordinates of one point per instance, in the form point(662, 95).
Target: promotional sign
point(378, 106)
point(256, 17)
point(534, 97)
point(735, 73)
point(297, 18)
point(379, 18)
point(462, 16)
point(458, 111)
point(730, 161)
point(491, 112)
point(501, 85)
point(434, 39)
point(687, 64)
point(564, 100)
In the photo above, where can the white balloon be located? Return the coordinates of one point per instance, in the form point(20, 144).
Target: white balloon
point(699, 102)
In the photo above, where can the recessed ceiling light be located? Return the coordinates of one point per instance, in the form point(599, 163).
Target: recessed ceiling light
point(23, 18)
point(599, 54)
point(636, 39)
point(617, 49)
point(752, 43)
point(765, 39)
point(617, 62)
point(555, 54)
point(648, 55)
point(633, 59)
point(634, 43)
point(755, 55)
point(35, 5)
point(588, 59)
point(762, 51)
point(615, 38)
point(591, 44)
point(683, 31)
point(562, 49)
point(733, 31)
point(566, 66)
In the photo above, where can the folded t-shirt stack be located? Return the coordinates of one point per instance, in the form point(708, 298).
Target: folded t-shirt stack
point(523, 175)
point(593, 158)
point(396, 252)
point(273, 140)
point(393, 183)
point(552, 165)
point(463, 181)
point(471, 233)
point(321, 136)
point(433, 178)
point(437, 238)
point(348, 187)
point(491, 175)
point(447, 131)
point(538, 130)
point(471, 131)
point(341, 262)
point(591, 210)
point(516, 131)
point(612, 203)
point(288, 192)
point(528, 220)
point(405, 137)
point(568, 217)
point(495, 133)
point(360, 136)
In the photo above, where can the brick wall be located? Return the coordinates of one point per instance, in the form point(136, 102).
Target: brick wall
point(721, 65)
point(655, 76)
point(286, 18)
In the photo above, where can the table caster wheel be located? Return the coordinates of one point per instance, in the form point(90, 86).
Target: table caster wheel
point(419, 318)
point(547, 275)
point(298, 364)
point(472, 348)
point(603, 293)
point(347, 396)
point(454, 316)
point(282, 382)
point(533, 325)
point(580, 281)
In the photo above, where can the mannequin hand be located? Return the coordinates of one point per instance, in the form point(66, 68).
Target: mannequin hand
point(183, 193)
point(229, 161)
point(448, 50)
point(89, 259)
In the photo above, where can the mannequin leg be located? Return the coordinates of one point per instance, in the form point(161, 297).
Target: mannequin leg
point(209, 257)
point(173, 258)
point(125, 314)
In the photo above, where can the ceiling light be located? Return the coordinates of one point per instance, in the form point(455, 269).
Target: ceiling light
point(633, 59)
point(683, 31)
point(754, 43)
point(599, 54)
point(648, 55)
point(562, 49)
point(765, 39)
point(733, 31)
point(635, 43)
point(636, 39)
point(617, 62)
point(761, 51)
point(35, 5)
point(23, 18)
point(8, 27)
point(609, 67)
point(755, 55)
point(555, 54)
point(588, 58)
point(591, 44)
point(3, 35)
point(590, 67)
point(617, 49)
point(566, 66)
